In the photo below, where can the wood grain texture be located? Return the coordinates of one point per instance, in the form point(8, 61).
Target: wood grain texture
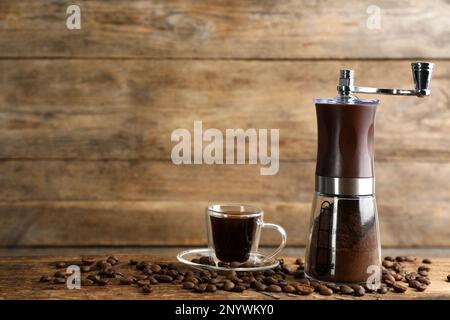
point(97, 109)
point(19, 280)
point(232, 29)
point(146, 223)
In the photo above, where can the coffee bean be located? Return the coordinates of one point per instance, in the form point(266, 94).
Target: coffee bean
point(60, 274)
point(359, 291)
point(304, 281)
point(59, 280)
point(228, 285)
point(155, 268)
point(400, 258)
point(325, 291)
point(382, 290)
point(316, 285)
point(414, 283)
point(87, 261)
point(127, 281)
point(163, 278)
point(424, 280)
point(333, 287)
point(410, 258)
point(86, 282)
point(111, 261)
point(300, 261)
point(427, 261)
point(200, 288)
point(388, 264)
point(399, 288)
point(421, 287)
point(223, 264)
point(397, 276)
point(239, 288)
point(211, 288)
point(45, 279)
point(344, 289)
point(142, 283)
point(388, 277)
point(299, 274)
point(304, 289)
point(289, 289)
point(259, 286)
point(188, 285)
point(103, 282)
point(273, 288)
point(287, 269)
point(60, 265)
point(410, 276)
point(448, 277)
point(270, 280)
point(389, 258)
point(269, 273)
point(369, 288)
point(85, 269)
point(423, 273)
point(93, 277)
point(147, 289)
point(205, 260)
point(113, 258)
point(235, 264)
point(424, 268)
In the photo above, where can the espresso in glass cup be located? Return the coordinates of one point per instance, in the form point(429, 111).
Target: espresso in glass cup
point(234, 232)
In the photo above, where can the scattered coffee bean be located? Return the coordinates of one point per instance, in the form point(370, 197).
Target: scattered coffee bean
point(60, 265)
point(410, 276)
point(382, 290)
point(93, 277)
point(299, 274)
point(163, 278)
point(421, 287)
point(142, 283)
point(304, 289)
point(289, 289)
point(300, 261)
point(400, 258)
point(45, 279)
point(333, 287)
point(424, 268)
point(414, 283)
point(85, 269)
point(259, 286)
point(424, 280)
point(102, 282)
point(344, 289)
point(59, 280)
point(359, 291)
point(60, 274)
point(399, 288)
point(86, 282)
point(388, 264)
point(87, 261)
point(325, 291)
point(147, 289)
point(427, 261)
point(388, 277)
point(188, 285)
point(397, 276)
point(369, 288)
point(127, 281)
point(389, 258)
point(235, 264)
point(273, 288)
point(211, 288)
point(423, 273)
point(200, 288)
point(410, 258)
point(269, 272)
point(239, 288)
point(228, 285)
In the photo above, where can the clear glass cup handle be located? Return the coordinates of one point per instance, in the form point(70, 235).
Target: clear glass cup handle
point(282, 232)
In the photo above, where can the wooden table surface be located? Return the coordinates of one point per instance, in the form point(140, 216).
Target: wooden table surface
point(19, 279)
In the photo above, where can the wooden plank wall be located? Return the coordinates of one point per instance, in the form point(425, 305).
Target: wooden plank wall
point(86, 115)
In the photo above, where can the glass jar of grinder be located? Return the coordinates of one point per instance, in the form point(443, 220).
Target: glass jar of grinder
point(344, 240)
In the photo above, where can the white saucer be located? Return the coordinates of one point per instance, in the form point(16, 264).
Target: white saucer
point(259, 261)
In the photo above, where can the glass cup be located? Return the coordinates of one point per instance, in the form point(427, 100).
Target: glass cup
point(234, 232)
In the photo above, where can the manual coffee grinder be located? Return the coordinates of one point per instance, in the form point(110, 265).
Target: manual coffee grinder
point(344, 240)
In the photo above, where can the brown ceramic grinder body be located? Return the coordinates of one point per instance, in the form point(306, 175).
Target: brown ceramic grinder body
point(343, 243)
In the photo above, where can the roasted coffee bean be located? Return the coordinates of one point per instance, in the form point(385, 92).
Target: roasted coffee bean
point(59, 280)
point(304, 289)
point(147, 289)
point(45, 279)
point(228, 285)
point(389, 258)
point(163, 278)
point(269, 273)
point(188, 285)
point(421, 287)
point(273, 288)
point(423, 273)
point(369, 288)
point(248, 279)
point(299, 274)
point(424, 280)
point(448, 277)
point(414, 283)
point(60, 274)
point(239, 288)
point(270, 280)
point(400, 258)
point(141, 265)
point(223, 264)
point(211, 288)
point(93, 277)
point(359, 291)
point(86, 282)
point(103, 282)
point(133, 262)
point(288, 269)
point(173, 273)
point(142, 283)
point(427, 261)
point(410, 258)
point(410, 276)
point(163, 265)
point(424, 268)
point(325, 291)
point(192, 279)
point(102, 264)
point(388, 277)
point(205, 260)
point(141, 277)
point(388, 264)
point(111, 261)
point(333, 287)
point(127, 281)
point(389, 283)
point(397, 276)
point(259, 286)
point(344, 289)
point(289, 289)
point(235, 264)
point(200, 288)
point(60, 265)
point(156, 268)
point(304, 281)
point(399, 288)
point(300, 261)
point(85, 269)
point(382, 290)
point(87, 261)
point(316, 285)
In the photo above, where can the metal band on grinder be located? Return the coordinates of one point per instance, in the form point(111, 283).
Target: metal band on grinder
point(345, 186)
